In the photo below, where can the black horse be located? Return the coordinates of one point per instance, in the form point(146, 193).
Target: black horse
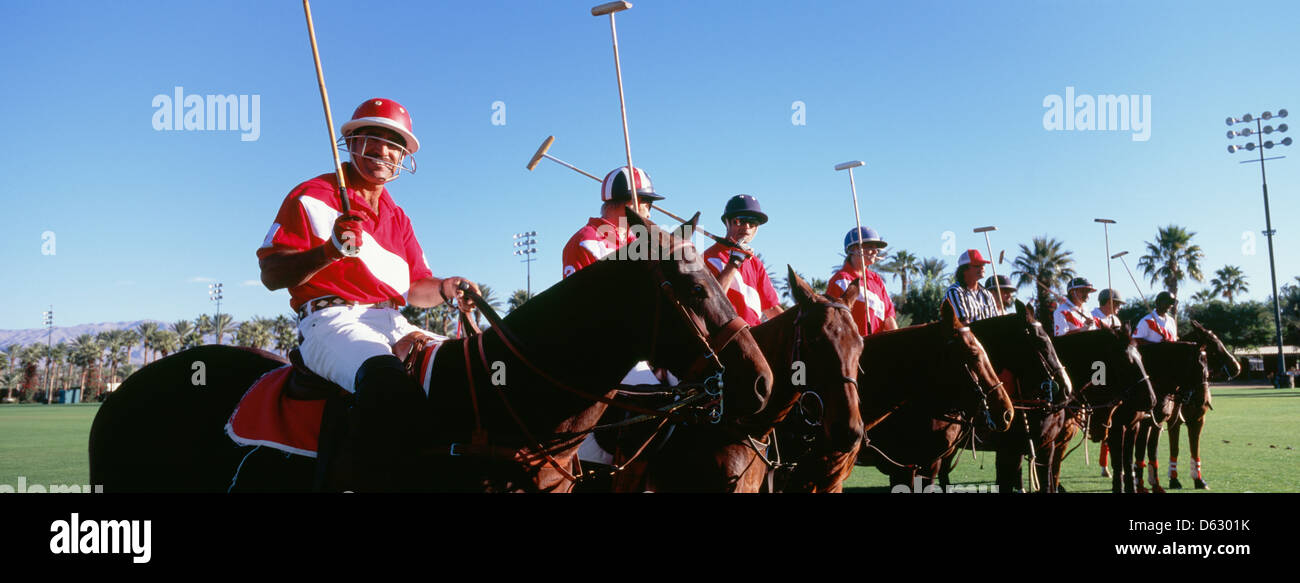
point(162, 430)
point(1179, 373)
point(1112, 384)
point(1023, 353)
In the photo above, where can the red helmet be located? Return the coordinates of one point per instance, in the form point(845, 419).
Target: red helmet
point(387, 114)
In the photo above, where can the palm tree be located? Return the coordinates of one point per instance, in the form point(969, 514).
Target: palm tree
point(129, 339)
point(204, 325)
point(1172, 258)
point(904, 266)
point(222, 325)
point(167, 342)
point(1043, 266)
point(146, 330)
point(517, 299)
point(1229, 282)
point(286, 334)
point(183, 329)
point(932, 269)
point(85, 353)
point(1204, 296)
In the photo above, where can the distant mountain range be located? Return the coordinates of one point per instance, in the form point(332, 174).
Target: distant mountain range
point(70, 333)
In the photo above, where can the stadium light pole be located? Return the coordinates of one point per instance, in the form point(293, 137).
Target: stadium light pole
point(524, 246)
point(1105, 226)
point(214, 294)
point(49, 351)
point(1260, 144)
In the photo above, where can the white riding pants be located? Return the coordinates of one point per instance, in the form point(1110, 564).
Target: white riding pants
point(337, 340)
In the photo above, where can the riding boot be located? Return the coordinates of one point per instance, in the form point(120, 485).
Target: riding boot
point(389, 427)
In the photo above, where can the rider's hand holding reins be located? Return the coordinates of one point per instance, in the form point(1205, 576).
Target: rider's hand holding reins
point(449, 289)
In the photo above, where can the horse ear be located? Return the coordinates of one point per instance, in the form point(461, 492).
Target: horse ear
point(803, 294)
point(686, 231)
point(1198, 325)
point(637, 223)
point(1024, 312)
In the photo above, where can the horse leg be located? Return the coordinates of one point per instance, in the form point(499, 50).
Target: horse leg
point(1140, 439)
point(1153, 467)
point(1175, 426)
point(1115, 439)
point(1129, 444)
point(1194, 443)
point(1008, 469)
point(945, 468)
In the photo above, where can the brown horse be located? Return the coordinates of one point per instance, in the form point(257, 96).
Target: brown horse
point(1178, 374)
point(813, 350)
point(1223, 367)
point(1113, 385)
point(1023, 353)
point(922, 389)
point(572, 344)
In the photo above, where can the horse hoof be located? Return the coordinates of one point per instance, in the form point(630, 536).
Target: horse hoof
point(1200, 484)
point(1156, 489)
point(1174, 484)
point(1141, 489)
point(1105, 473)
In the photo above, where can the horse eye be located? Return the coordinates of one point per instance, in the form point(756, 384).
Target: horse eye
point(699, 292)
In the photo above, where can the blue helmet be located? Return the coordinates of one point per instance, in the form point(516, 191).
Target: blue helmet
point(744, 205)
point(864, 235)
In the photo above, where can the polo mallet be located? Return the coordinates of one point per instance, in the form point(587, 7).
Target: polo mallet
point(997, 296)
point(1105, 226)
point(546, 146)
point(857, 220)
point(610, 8)
point(329, 119)
point(1120, 256)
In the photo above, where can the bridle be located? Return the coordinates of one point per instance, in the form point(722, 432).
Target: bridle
point(709, 391)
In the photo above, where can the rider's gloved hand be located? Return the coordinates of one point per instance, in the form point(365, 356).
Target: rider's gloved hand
point(346, 238)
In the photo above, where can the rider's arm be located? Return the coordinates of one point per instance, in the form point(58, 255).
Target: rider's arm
point(891, 323)
point(281, 269)
point(432, 291)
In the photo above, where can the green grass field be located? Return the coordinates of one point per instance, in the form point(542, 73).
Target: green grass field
point(1249, 445)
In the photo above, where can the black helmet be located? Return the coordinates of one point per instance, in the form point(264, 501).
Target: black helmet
point(743, 205)
point(1167, 298)
point(998, 282)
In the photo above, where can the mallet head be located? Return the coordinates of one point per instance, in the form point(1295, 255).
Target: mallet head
point(850, 164)
point(541, 151)
point(610, 8)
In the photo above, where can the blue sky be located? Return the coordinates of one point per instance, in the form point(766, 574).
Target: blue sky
point(943, 100)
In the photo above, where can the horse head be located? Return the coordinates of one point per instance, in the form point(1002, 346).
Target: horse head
point(963, 357)
point(1019, 344)
point(825, 358)
point(1179, 372)
point(692, 305)
point(1107, 361)
point(1223, 366)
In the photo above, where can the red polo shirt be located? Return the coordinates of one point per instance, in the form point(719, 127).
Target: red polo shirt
point(751, 290)
point(390, 256)
point(871, 292)
point(592, 242)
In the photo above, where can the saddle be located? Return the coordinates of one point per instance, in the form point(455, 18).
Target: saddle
point(291, 408)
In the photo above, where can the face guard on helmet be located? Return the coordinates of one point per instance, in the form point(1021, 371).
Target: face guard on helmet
point(370, 135)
